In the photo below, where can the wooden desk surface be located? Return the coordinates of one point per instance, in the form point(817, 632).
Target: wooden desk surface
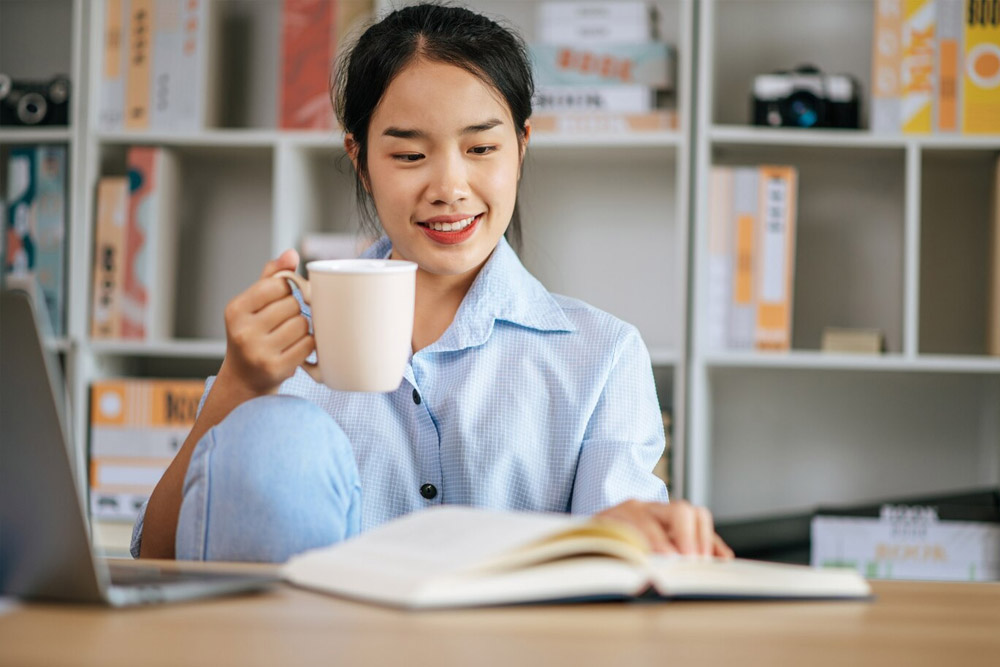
point(909, 624)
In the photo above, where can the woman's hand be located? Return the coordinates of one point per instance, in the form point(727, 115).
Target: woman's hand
point(675, 527)
point(266, 335)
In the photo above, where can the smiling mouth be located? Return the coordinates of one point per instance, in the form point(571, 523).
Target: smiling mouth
point(449, 226)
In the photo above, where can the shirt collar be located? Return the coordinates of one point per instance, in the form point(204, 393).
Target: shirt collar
point(504, 290)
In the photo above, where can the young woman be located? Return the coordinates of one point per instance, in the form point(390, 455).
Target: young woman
point(514, 398)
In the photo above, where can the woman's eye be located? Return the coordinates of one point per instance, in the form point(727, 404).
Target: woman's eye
point(482, 150)
point(407, 157)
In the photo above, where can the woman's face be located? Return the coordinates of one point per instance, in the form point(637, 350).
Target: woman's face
point(443, 163)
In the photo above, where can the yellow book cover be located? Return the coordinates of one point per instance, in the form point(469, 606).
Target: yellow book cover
point(981, 76)
point(993, 313)
point(139, 69)
point(109, 248)
point(918, 65)
point(776, 268)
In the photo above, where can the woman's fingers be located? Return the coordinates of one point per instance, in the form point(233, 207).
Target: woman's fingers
point(275, 314)
point(705, 530)
point(288, 260)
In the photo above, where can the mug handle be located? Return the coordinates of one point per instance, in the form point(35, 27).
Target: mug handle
point(303, 285)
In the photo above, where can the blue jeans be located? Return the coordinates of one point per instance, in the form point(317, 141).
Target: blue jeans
point(276, 477)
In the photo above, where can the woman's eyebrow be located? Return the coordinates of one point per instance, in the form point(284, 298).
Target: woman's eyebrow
point(405, 133)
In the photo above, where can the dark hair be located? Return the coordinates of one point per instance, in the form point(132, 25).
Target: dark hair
point(441, 33)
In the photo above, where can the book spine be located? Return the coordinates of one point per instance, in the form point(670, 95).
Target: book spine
point(197, 66)
point(112, 101)
point(743, 315)
point(639, 63)
point(136, 427)
point(918, 83)
point(308, 49)
point(165, 64)
point(605, 123)
point(949, 65)
point(981, 80)
point(596, 22)
point(52, 180)
point(777, 218)
point(887, 62)
point(139, 70)
point(720, 263)
point(135, 311)
point(20, 242)
point(993, 312)
point(109, 245)
point(589, 99)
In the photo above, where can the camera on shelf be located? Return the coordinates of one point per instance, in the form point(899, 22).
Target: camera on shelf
point(34, 102)
point(806, 97)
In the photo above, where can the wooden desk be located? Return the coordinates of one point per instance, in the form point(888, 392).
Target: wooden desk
point(910, 624)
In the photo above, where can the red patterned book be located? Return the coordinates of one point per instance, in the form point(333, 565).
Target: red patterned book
point(308, 48)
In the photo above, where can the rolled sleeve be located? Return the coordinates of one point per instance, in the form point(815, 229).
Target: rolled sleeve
point(624, 437)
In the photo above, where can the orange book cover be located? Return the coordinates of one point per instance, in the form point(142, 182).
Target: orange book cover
point(308, 48)
point(139, 69)
point(109, 246)
point(776, 268)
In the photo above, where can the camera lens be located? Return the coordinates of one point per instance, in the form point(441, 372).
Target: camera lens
point(31, 109)
point(803, 109)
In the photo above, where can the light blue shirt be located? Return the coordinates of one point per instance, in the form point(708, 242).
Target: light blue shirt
point(528, 401)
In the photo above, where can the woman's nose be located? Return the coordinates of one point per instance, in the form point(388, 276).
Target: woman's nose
point(449, 181)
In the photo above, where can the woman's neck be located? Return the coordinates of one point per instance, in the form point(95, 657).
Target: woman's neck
point(438, 299)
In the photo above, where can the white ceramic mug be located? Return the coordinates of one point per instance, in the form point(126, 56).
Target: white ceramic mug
point(362, 315)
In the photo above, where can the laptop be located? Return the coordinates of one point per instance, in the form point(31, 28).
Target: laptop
point(45, 551)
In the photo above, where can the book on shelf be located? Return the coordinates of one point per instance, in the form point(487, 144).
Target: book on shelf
point(853, 340)
point(599, 68)
point(159, 64)
point(751, 257)
point(312, 31)
point(595, 22)
point(451, 556)
point(136, 428)
point(919, 23)
point(109, 253)
point(935, 67)
point(981, 80)
point(35, 231)
point(993, 308)
point(150, 257)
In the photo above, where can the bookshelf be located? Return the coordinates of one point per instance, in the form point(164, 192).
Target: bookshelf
point(892, 234)
point(891, 228)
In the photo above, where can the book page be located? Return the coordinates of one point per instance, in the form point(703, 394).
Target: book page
point(686, 576)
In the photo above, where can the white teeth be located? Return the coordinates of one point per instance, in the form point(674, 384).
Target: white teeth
point(451, 226)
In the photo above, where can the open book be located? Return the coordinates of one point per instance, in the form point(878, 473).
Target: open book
point(452, 556)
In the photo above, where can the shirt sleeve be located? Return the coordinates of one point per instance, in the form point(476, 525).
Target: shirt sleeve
point(624, 437)
point(136, 543)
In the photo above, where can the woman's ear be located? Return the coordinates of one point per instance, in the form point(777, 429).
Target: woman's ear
point(351, 146)
point(524, 146)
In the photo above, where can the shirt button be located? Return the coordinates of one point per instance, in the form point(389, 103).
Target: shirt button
point(428, 491)
point(416, 399)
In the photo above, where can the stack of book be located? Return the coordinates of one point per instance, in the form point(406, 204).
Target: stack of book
point(936, 67)
point(158, 66)
point(34, 238)
point(136, 428)
point(599, 67)
point(311, 33)
point(135, 249)
point(751, 257)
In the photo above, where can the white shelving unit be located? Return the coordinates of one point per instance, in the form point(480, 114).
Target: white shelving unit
point(892, 234)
